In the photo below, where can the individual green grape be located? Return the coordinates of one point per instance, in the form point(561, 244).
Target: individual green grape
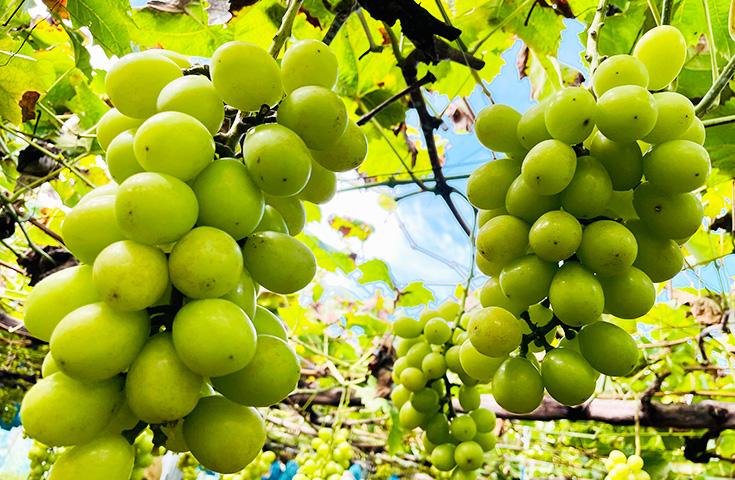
point(308, 62)
point(437, 429)
point(523, 202)
point(224, 436)
point(108, 189)
point(437, 331)
point(400, 395)
point(322, 185)
point(90, 227)
point(272, 221)
point(517, 385)
point(675, 115)
point(663, 51)
point(469, 398)
point(607, 248)
point(659, 258)
point(407, 327)
point(49, 366)
point(108, 457)
point(549, 167)
point(112, 124)
point(629, 294)
point(570, 116)
point(695, 133)
point(206, 263)
point(589, 192)
point(120, 157)
point(678, 166)
point(173, 143)
point(496, 126)
point(267, 379)
point(277, 159)
point(486, 440)
point(268, 323)
point(416, 354)
point(488, 184)
point(413, 379)
point(292, 211)
point(194, 95)
point(626, 113)
point(483, 216)
point(623, 161)
point(279, 262)
point(608, 348)
point(531, 128)
point(619, 70)
point(442, 457)
point(491, 295)
point(347, 153)
point(434, 365)
point(244, 294)
point(567, 376)
point(95, 342)
point(59, 411)
point(155, 209)
point(462, 428)
point(410, 418)
point(555, 236)
point(502, 239)
point(484, 419)
point(398, 366)
point(514, 279)
point(425, 400)
point(468, 455)
point(672, 216)
point(55, 296)
point(246, 76)
point(228, 198)
point(135, 80)
point(179, 59)
point(494, 332)
point(403, 345)
point(316, 114)
point(159, 387)
point(576, 296)
point(213, 337)
point(130, 276)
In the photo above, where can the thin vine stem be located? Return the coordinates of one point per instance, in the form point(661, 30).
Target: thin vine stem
point(667, 10)
point(14, 215)
point(715, 122)
point(284, 31)
point(717, 87)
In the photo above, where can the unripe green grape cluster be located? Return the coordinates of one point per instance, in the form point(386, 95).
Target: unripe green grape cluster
point(159, 323)
point(328, 458)
point(587, 211)
point(433, 354)
point(42, 458)
point(143, 446)
point(620, 467)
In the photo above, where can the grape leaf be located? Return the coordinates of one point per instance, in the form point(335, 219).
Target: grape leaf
point(108, 20)
point(414, 294)
point(375, 270)
point(19, 75)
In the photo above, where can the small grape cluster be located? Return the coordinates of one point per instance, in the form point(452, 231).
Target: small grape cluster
point(163, 308)
point(587, 211)
point(257, 469)
point(42, 458)
point(429, 351)
point(621, 468)
point(329, 457)
point(143, 446)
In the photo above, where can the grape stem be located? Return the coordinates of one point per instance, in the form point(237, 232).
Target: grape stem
point(713, 93)
point(714, 122)
point(426, 79)
point(284, 31)
point(667, 9)
point(343, 11)
point(592, 55)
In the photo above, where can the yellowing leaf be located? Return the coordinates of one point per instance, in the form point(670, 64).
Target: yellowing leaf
point(20, 74)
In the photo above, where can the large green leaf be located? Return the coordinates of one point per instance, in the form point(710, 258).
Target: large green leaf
point(108, 20)
point(414, 294)
point(20, 74)
point(375, 270)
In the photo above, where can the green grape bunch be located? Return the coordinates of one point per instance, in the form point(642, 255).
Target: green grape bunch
point(42, 458)
point(159, 324)
point(328, 458)
point(620, 467)
point(584, 215)
point(437, 367)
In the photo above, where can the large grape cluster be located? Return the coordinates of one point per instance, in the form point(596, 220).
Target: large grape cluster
point(328, 458)
point(433, 355)
point(586, 212)
point(163, 306)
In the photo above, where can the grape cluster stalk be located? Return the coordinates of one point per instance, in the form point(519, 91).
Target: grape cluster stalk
point(159, 325)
